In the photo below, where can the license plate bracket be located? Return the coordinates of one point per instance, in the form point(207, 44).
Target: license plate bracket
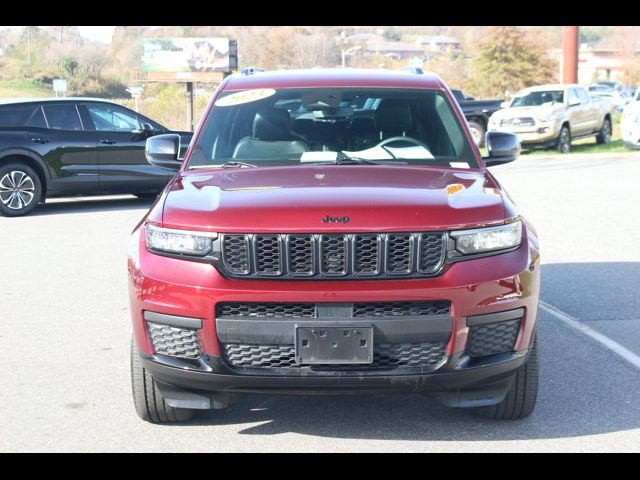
point(334, 345)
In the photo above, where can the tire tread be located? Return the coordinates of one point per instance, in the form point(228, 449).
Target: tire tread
point(147, 397)
point(521, 397)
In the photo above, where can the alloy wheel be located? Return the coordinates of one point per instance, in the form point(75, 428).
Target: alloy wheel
point(17, 190)
point(476, 135)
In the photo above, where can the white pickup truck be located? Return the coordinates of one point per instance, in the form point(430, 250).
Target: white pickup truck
point(553, 115)
point(630, 123)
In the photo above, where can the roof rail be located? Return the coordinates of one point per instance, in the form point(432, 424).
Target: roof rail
point(251, 70)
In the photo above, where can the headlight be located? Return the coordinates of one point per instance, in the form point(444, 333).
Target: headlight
point(481, 240)
point(178, 241)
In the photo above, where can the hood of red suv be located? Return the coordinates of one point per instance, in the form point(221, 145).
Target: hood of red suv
point(331, 198)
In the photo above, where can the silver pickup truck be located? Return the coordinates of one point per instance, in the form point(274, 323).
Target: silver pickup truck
point(553, 115)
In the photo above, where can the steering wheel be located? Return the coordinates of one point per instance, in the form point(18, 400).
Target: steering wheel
point(411, 140)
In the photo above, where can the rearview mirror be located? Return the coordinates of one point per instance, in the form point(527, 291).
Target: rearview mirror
point(163, 151)
point(503, 147)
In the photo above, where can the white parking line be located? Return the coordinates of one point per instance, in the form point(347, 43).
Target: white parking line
point(576, 324)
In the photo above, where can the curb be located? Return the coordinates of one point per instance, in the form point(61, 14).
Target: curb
point(579, 156)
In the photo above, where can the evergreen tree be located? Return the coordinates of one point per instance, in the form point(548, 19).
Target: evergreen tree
point(509, 60)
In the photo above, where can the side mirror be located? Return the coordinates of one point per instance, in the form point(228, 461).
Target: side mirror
point(503, 147)
point(163, 151)
point(504, 104)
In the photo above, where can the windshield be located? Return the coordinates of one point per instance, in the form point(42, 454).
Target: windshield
point(535, 99)
point(269, 127)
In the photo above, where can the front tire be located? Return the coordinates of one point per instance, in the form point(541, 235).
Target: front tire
point(604, 136)
point(20, 190)
point(147, 398)
point(477, 132)
point(521, 397)
point(563, 144)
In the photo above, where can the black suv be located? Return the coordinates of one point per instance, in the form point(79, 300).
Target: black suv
point(74, 146)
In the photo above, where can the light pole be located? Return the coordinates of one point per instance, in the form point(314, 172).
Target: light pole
point(348, 51)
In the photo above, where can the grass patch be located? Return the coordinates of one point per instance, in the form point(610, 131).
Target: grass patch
point(586, 145)
point(23, 88)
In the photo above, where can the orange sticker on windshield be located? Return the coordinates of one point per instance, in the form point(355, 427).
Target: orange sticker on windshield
point(245, 96)
point(454, 188)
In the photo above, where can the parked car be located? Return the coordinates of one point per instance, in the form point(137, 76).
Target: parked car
point(603, 103)
point(630, 123)
point(477, 113)
point(355, 245)
point(553, 115)
point(618, 98)
point(611, 85)
point(74, 146)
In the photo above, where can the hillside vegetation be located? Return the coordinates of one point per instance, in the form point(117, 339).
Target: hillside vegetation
point(33, 56)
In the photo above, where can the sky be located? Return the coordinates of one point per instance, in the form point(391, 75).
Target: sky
point(100, 34)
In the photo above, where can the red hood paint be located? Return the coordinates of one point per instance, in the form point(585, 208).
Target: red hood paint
point(297, 198)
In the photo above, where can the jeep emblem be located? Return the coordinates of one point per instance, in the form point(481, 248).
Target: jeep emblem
point(330, 219)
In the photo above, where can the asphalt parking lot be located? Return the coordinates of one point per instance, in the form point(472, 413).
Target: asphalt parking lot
point(65, 332)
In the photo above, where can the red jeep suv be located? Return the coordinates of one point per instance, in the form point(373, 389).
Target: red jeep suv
point(332, 232)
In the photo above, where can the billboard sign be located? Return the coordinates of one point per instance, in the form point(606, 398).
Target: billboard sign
point(186, 55)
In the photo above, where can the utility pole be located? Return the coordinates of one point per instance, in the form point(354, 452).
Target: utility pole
point(29, 45)
point(570, 39)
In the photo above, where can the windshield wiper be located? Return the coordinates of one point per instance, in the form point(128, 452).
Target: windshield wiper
point(238, 164)
point(344, 159)
point(224, 165)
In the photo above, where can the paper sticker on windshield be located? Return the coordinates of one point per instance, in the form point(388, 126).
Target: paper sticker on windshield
point(245, 96)
point(454, 188)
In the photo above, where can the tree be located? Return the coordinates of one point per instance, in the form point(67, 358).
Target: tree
point(68, 65)
point(392, 33)
point(508, 61)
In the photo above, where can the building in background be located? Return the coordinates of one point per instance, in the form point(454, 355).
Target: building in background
point(599, 63)
point(425, 47)
point(436, 44)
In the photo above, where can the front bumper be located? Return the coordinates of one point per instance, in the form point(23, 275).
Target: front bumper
point(542, 135)
point(482, 286)
point(458, 383)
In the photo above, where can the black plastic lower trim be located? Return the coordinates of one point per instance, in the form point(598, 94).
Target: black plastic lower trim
point(495, 317)
point(173, 320)
point(416, 328)
point(457, 373)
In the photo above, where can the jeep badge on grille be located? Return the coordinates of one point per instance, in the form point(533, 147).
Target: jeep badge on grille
point(330, 219)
